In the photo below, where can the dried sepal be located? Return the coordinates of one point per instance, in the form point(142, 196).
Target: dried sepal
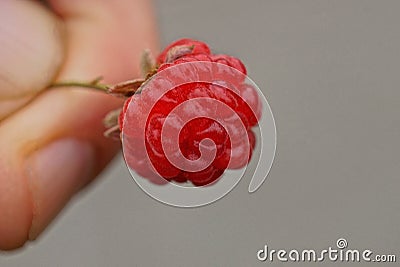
point(113, 133)
point(111, 118)
point(147, 63)
point(178, 51)
point(126, 89)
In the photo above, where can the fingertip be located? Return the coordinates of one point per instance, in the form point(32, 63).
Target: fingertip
point(15, 205)
point(49, 151)
point(113, 34)
point(54, 174)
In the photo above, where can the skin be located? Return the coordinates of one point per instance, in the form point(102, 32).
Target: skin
point(51, 140)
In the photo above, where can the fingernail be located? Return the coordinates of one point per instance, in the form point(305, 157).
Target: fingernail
point(55, 173)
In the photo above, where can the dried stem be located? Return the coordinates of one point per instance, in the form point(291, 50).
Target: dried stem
point(92, 85)
point(101, 87)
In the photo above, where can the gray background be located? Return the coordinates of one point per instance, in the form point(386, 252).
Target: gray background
point(330, 70)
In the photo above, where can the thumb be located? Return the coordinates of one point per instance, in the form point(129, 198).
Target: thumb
point(31, 52)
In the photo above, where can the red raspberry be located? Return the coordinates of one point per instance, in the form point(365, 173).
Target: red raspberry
point(232, 139)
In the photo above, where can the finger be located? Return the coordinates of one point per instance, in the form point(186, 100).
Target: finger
point(65, 147)
point(31, 52)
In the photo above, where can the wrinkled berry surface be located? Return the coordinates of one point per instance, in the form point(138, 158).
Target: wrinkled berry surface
point(231, 139)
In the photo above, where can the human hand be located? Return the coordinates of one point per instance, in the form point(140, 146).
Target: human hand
point(51, 141)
